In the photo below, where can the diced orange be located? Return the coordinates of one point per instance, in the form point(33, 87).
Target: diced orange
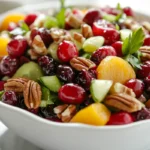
point(3, 46)
point(11, 18)
point(115, 69)
point(96, 114)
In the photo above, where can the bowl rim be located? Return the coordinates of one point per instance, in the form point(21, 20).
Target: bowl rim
point(55, 5)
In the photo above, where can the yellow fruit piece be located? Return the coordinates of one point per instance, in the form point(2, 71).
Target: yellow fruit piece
point(96, 114)
point(11, 18)
point(3, 46)
point(115, 69)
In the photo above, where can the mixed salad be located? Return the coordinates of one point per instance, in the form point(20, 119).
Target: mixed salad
point(89, 65)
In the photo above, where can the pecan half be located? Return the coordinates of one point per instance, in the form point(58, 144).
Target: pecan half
point(80, 63)
point(15, 84)
point(124, 102)
point(78, 37)
point(32, 94)
point(86, 31)
point(65, 112)
point(146, 25)
point(145, 50)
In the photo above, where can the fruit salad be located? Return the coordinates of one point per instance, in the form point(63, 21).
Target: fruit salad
point(78, 65)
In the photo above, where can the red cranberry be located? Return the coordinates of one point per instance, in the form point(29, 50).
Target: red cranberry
point(10, 98)
point(142, 114)
point(118, 47)
point(30, 18)
point(136, 85)
point(2, 85)
point(111, 35)
point(147, 41)
point(67, 26)
point(103, 52)
point(66, 51)
point(44, 34)
point(144, 71)
point(128, 11)
point(84, 79)
point(65, 73)
point(17, 47)
point(71, 94)
point(91, 16)
point(120, 118)
point(9, 65)
point(12, 26)
point(47, 64)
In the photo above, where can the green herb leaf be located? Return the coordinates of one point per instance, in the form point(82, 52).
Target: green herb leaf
point(1, 94)
point(132, 43)
point(118, 6)
point(24, 26)
point(135, 62)
point(117, 27)
point(112, 18)
point(62, 2)
point(61, 18)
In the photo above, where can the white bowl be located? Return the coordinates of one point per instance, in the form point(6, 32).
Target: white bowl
point(62, 136)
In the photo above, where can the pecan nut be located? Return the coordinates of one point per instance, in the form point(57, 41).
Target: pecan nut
point(15, 84)
point(146, 25)
point(32, 94)
point(78, 37)
point(65, 112)
point(86, 31)
point(124, 102)
point(145, 50)
point(80, 63)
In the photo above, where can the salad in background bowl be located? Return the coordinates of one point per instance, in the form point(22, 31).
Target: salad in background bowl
point(77, 67)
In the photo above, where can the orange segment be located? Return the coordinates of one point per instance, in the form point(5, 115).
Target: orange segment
point(96, 114)
point(11, 18)
point(3, 46)
point(115, 69)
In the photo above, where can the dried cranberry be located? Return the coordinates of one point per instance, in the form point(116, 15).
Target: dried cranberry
point(128, 11)
point(101, 53)
point(84, 79)
point(71, 94)
point(136, 85)
point(9, 65)
point(118, 47)
point(65, 73)
point(144, 71)
point(47, 64)
point(17, 47)
point(120, 118)
point(147, 41)
point(30, 18)
point(66, 51)
point(10, 98)
point(91, 16)
point(44, 34)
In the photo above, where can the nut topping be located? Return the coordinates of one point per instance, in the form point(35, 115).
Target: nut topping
point(32, 94)
point(65, 112)
point(78, 37)
point(86, 31)
point(145, 50)
point(80, 63)
point(17, 84)
point(124, 102)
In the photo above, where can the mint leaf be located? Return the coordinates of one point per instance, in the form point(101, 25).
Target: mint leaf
point(132, 43)
point(118, 6)
point(61, 18)
point(62, 2)
point(24, 27)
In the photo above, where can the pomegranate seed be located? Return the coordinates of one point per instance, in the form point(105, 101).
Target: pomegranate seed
point(128, 11)
point(120, 118)
point(44, 34)
point(2, 85)
point(144, 71)
point(65, 73)
point(12, 26)
point(17, 47)
point(9, 65)
point(111, 35)
point(10, 98)
point(71, 94)
point(47, 64)
point(66, 51)
point(101, 53)
point(118, 47)
point(91, 16)
point(30, 18)
point(136, 85)
point(147, 41)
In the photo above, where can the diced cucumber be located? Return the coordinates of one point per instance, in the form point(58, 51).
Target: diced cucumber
point(109, 17)
point(51, 82)
point(50, 22)
point(99, 89)
point(93, 43)
point(124, 33)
